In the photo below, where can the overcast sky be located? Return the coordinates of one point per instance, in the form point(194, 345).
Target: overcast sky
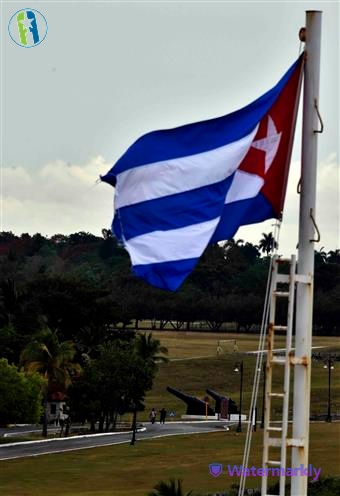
point(109, 72)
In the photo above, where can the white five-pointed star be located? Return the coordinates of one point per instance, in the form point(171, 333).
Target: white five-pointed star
point(269, 144)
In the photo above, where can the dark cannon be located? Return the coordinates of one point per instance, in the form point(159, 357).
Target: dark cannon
point(195, 406)
point(219, 399)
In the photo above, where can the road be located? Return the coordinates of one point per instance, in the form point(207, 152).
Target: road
point(36, 448)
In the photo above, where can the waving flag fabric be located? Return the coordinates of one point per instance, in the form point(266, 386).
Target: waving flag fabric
point(180, 189)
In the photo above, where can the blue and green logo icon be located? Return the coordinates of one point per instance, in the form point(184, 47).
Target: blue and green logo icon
point(27, 28)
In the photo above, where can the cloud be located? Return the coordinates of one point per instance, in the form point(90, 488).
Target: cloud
point(63, 198)
point(57, 197)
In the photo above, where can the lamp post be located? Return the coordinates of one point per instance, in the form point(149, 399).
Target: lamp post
point(206, 401)
point(239, 368)
point(134, 425)
point(329, 365)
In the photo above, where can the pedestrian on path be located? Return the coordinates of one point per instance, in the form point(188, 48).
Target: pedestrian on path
point(162, 416)
point(152, 416)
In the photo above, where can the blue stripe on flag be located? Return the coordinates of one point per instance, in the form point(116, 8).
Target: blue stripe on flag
point(172, 212)
point(197, 137)
point(166, 275)
point(242, 212)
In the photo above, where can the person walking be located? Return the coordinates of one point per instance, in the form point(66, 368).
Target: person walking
point(153, 415)
point(162, 416)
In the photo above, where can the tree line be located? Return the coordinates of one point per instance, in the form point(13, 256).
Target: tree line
point(83, 286)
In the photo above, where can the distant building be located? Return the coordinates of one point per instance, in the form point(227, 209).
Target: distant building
point(56, 405)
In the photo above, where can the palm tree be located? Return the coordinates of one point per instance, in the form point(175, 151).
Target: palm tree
point(149, 348)
point(53, 360)
point(333, 256)
point(231, 243)
point(171, 488)
point(267, 243)
point(320, 256)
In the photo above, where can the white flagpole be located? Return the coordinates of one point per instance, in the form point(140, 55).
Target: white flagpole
point(304, 301)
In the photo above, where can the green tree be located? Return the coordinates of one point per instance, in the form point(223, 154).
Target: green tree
point(116, 367)
point(320, 256)
point(116, 381)
point(11, 343)
point(53, 360)
point(326, 310)
point(84, 395)
point(324, 486)
point(267, 243)
point(20, 395)
point(333, 256)
point(149, 348)
point(171, 488)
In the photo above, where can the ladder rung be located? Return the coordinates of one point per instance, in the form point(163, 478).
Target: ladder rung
point(280, 328)
point(274, 462)
point(276, 442)
point(276, 395)
point(281, 294)
point(274, 429)
point(284, 278)
point(278, 361)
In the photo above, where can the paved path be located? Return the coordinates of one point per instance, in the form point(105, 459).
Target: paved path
point(25, 429)
point(36, 448)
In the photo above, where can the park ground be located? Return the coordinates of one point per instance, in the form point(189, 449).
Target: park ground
point(123, 470)
point(209, 370)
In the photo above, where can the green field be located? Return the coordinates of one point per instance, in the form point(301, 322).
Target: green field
point(193, 376)
point(123, 470)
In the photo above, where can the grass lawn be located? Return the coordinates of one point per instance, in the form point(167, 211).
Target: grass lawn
point(183, 344)
point(123, 470)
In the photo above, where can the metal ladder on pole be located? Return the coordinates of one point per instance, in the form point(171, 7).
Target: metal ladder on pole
point(269, 439)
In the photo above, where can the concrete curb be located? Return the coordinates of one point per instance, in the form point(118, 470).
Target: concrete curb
point(84, 436)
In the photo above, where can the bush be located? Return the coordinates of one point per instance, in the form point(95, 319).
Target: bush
point(20, 395)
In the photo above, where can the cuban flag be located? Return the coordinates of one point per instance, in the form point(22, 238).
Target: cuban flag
point(178, 190)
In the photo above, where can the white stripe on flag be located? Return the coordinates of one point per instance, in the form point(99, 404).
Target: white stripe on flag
point(175, 244)
point(168, 177)
point(244, 186)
